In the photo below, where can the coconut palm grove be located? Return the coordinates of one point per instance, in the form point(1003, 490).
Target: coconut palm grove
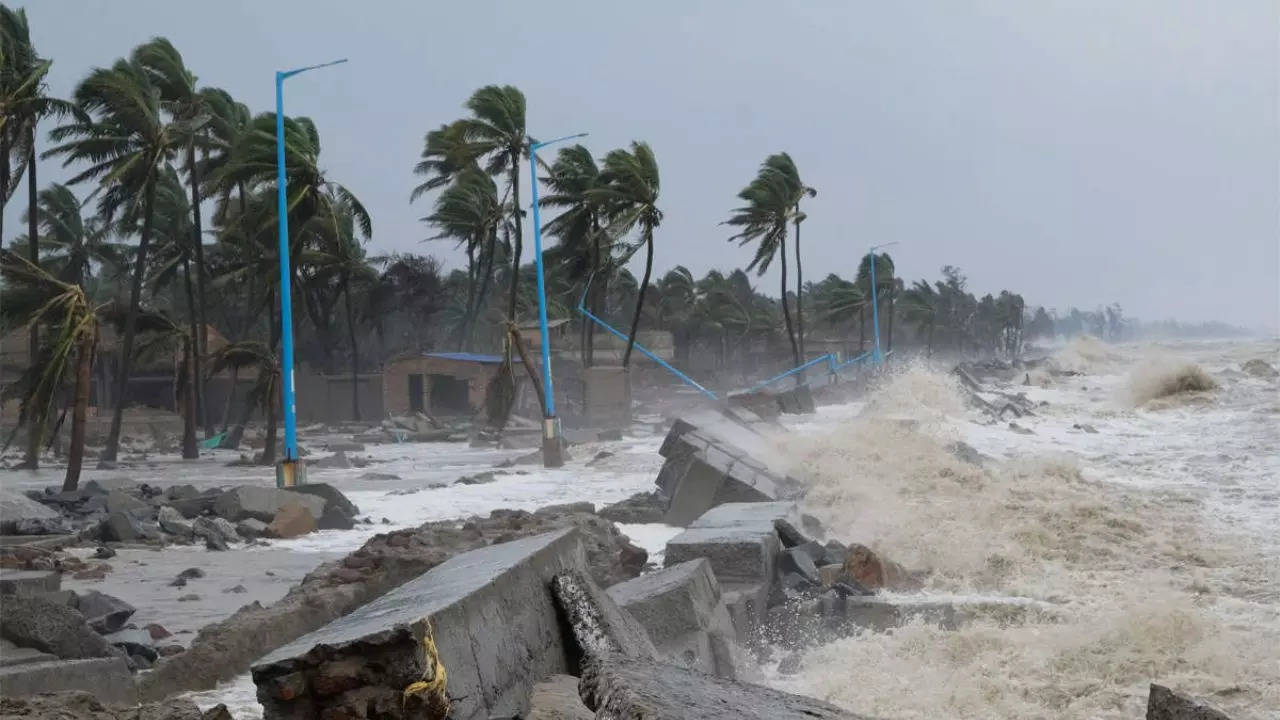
point(167, 230)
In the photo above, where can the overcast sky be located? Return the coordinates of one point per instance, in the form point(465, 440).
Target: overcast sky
point(1081, 153)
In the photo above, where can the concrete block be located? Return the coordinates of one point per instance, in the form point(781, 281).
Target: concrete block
point(29, 582)
point(737, 555)
point(50, 627)
point(617, 687)
point(108, 679)
point(681, 610)
point(1166, 704)
point(796, 401)
point(333, 498)
point(556, 698)
point(104, 613)
point(262, 503)
point(11, 655)
point(595, 620)
point(487, 616)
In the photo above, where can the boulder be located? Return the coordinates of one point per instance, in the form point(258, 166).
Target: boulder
point(16, 508)
point(556, 698)
point(11, 655)
point(799, 561)
point(333, 498)
point(389, 658)
point(217, 532)
point(682, 612)
point(334, 519)
point(104, 613)
point(1166, 704)
point(40, 526)
point(251, 528)
point(95, 680)
point(262, 503)
point(868, 569)
point(134, 643)
point(29, 582)
point(182, 492)
point(119, 501)
point(121, 527)
point(622, 687)
point(50, 627)
point(291, 521)
point(597, 623)
point(645, 507)
point(172, 522)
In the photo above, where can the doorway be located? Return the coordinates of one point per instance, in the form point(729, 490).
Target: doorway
point(450, 395)
point(416, 394)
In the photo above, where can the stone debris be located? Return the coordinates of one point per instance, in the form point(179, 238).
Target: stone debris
point(1166, 704)
point(645, 507)
point(598, 625)
point(292, 520)
point(16, 509)
point(29, 582)
point(77, 705)
point(104, 679)
point(262, 503)
point(104, 613)
point(556, 698)
point(414, 652)
point(40, 623)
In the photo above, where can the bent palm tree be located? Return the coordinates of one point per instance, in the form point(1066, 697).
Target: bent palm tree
point(629, 195)
point(125, 143)
point(469, 211)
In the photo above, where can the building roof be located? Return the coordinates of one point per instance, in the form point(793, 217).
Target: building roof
point(466, 357)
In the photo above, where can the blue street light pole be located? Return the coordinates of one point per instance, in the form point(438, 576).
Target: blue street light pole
point(290, 471)
point(876, 357)
point(552, 455)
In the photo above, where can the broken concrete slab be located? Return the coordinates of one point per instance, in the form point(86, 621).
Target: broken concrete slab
point(1166, 704)
point(11, 654)
point(333, 498)
point(797, 400)
point(108, 679)
point(262, 503)
point(104, 613)
point(368, 660)
point(29, 582)
point(16, 507)
point(681, 609)
point(619, 687)
point(595, 620)
point(556, 698)
point(36, 622)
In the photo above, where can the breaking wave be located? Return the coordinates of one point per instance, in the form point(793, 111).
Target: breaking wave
point(1086, 354)
point(1156, 380)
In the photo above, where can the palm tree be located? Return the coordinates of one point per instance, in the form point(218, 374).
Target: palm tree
point(257, 356)
point(187, 105)
point(883, 291)
point(34, 296)
point(797, 218)
point(162, 335)
point(628, 192)
point(70, 242)
point(921, 307)
point(572, 178)
point(771, 201)
point(344, 259)
point(228, 120)
point(469, 211)
point(23, 103)
point(125, 143)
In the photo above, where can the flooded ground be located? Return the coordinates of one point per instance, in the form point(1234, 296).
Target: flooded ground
point(1150, 524)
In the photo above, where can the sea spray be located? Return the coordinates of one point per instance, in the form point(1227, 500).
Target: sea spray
point(1158, 379)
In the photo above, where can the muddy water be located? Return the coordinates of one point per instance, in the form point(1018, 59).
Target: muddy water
point(1156, 539)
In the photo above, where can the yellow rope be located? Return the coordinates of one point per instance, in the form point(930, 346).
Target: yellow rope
point(431, 688)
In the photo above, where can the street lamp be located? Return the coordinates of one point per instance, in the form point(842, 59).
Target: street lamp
point(290, 471)
point(552, 448)
point(876, 357)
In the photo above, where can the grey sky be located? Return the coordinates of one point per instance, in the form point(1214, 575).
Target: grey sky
point(1079, 152)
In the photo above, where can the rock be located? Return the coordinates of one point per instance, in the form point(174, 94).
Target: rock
point(829, 575)
point(102, 552)
point(335, 519)
point(217, 712)
point(251, 528)
point(250, 501)
point(217, 532)
point(333, 498)
point(11, 655)
point(291, 521)
point(192, 597)
point(633, 558)
point(478, 479)
point(597, 623)
point(1166, 704)
point(645, 507)
point(556, 698)
point(215, 543)
point(681, 610)
point(22, 689)
point(40, 526)
point(172, 522)
point(621, 687)
point(35, 622)
point(870, 571)
point(798, 561)
point(169, 650)
point(379, 476)
point(1020, 430)
point(192, 573)
point(29, 582)
point(835, 553)
point(235, 590)
point(157, 631)
point(121, 527)
point(337, 460)
point(119, 501)
point(489, 675)
point(788, 534)
point(1260, 369)
point(16, 507)
point(98, 572)
point(104, 613)
point(182, 492)
point(134, 643)
point(1085, 427)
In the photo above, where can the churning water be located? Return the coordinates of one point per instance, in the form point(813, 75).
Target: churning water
point(1144, 507)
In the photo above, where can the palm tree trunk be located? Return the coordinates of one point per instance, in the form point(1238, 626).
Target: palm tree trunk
point(595, 296)
point(4, 179)
point(799, 294)
point(892, 292)
point(189, 449)
point(131, 323)
point(269, 442)
point(33, 248)
point(644, 286)
point(786, 307)
point(231, 394)
point(862, 327)
point(79, 412)
point(355, 353)
point(202, 339)
point(519, 240)
point(486, 275)
point(464, 333)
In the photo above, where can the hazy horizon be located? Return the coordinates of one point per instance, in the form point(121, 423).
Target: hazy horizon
point(1078, 153)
